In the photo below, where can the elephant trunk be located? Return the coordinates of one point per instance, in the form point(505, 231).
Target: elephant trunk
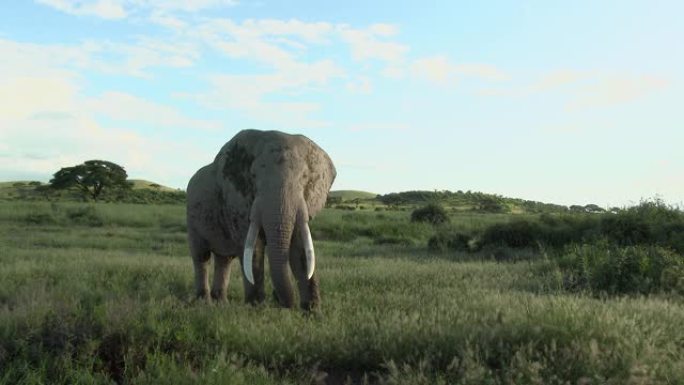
point(278, 229)
point(279, 218)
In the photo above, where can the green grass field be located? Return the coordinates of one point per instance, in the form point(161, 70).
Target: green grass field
point(101, 294)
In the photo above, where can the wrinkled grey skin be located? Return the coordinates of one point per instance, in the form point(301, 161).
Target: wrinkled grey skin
point(277, 180)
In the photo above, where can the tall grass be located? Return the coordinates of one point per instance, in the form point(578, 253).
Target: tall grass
point(83, 304)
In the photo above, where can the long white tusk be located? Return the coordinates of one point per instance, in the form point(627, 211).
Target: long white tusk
point(309, 250)
point(248, 256)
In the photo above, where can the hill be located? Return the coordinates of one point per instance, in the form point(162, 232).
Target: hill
point(348, 195)
point(142, 191)
point(145, 191)
point(469, 201)
point(141, 184)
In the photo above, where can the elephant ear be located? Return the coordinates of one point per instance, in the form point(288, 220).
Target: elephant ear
point(321, 176)
point(234, 165)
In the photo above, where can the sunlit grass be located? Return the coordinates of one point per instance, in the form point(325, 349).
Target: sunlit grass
point(112, 304)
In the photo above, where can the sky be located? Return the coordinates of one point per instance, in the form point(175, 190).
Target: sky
point(563, 102)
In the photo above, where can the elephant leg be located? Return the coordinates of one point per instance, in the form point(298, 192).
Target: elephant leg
point(199, 251)
point(254, 294)
point(309, 296)
point(222, 264)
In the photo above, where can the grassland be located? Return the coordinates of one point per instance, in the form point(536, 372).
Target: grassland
point(101, 294)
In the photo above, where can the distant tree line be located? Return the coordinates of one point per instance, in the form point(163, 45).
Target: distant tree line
point(477, 201)
point(96, 180)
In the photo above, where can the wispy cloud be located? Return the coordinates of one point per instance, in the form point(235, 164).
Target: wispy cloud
point(370, 43)
point(362, 85)
point(131, 109)
point(121, 9)
point(607, 91)
point(248, 93)
point(440, 70)
point(585, 89)
point(549, 81)
point(131, 59)
point(106, 9)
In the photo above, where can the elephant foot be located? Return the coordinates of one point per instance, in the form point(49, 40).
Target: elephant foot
point(255, 298)
point(310, 307)
point(283, 304)
point(219, 296)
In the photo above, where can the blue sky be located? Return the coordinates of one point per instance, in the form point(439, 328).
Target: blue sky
point(564, 102)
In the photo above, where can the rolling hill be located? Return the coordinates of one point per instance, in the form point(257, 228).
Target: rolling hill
point(348, 195)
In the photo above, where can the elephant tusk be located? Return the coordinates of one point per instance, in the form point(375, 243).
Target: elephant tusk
point(248, 256)
point(309, 250)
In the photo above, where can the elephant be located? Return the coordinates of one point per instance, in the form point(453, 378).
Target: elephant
point(258, 196)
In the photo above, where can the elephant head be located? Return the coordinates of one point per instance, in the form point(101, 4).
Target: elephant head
point(282, 181)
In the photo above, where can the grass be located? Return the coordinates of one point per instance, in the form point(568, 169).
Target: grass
point(111, 303)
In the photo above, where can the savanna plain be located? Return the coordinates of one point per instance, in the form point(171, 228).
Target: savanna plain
point(101, 293)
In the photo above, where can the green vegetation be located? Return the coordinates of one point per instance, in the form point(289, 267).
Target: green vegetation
point(102, 293)
point(605, 268)
point(432, 213)
point(350, 195)
point(91, 178)
point(141, 192)
point(142, 184)
point(472, 201)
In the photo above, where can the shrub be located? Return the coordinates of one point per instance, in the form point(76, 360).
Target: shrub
point(622, 269)
point(517, 233)
point(551, 231)
point(432, 213)
point(449, 241)
point(651, 223)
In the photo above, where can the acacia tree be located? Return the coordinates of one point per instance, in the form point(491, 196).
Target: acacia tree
point(91, 177)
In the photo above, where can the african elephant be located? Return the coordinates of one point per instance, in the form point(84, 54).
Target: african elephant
point(259, 193)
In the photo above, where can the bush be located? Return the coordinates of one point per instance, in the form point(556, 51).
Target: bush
point(432, 213)
point(518, 233)
point(650, 223)
point(622, 269)
point(551, 231)
point(449, 241)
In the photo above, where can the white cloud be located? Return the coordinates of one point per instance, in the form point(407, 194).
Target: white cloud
point(366, 45)
point(440, 70)
point(106, 9)
point(550, 81)
point(120, 9)
point(248, 93)
point(435, 69)
point(135, 110)
point(479, 70)
point(168, 21)
point(384, 30)
point(586, 89)
point(46, 122)
point(361, 85)
point(379, 126)
point(22, 97)
point(131, 59)
point(181, 5)
point(610, 90)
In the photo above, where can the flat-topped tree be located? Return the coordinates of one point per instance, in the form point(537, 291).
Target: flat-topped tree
point(91, 177)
